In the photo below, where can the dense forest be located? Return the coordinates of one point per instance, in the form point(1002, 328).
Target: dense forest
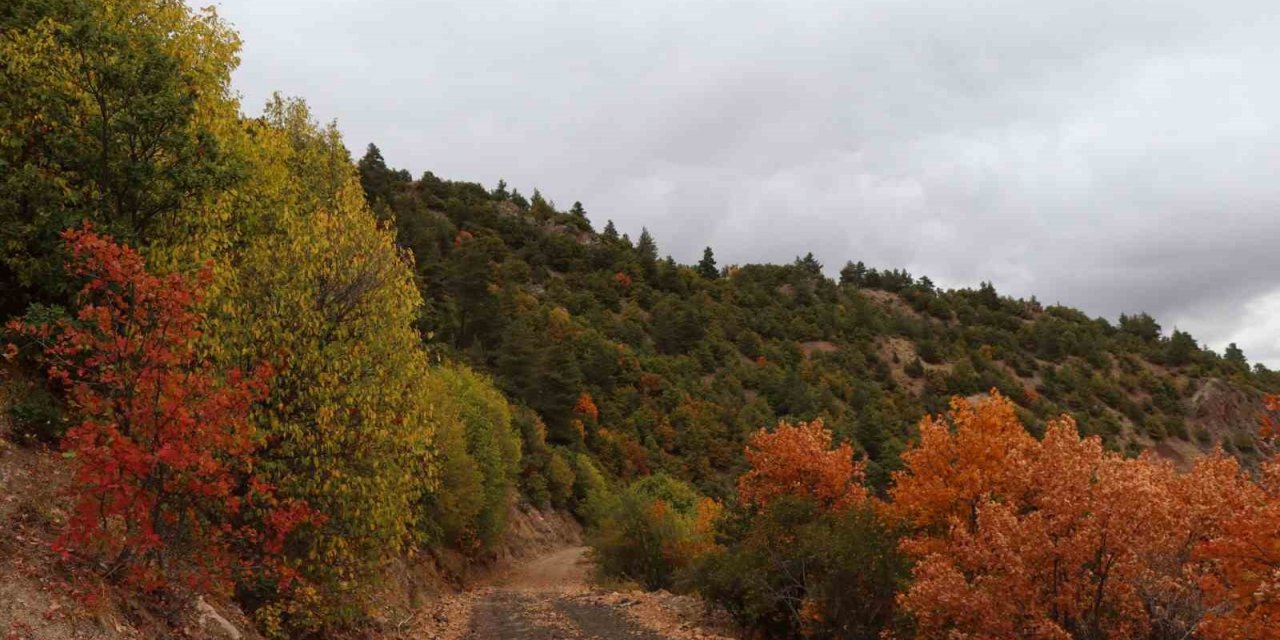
point(273, 369)
point(683, 362)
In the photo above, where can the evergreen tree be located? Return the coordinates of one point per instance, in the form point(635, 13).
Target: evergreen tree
point(378, 181)
point(539, 208)
point(500, 192)
point(519, 199)
point(809, 264)
point(853, 274)
point(646, 247)
point(1140, 325)
point(610, 231)
point(559, 385)
point(1181, 348)
point(988, 296)
point(648, 252)
point(1235, 357)
point(707, 266)
point(518, 360)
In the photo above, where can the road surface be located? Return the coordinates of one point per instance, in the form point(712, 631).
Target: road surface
point(549, 599)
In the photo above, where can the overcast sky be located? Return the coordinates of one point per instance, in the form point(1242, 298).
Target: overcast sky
point(1114, 155)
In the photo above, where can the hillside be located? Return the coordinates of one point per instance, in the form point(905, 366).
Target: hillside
point(683, 361)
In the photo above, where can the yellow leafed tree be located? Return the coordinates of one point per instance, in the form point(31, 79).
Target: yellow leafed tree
point(314, 285)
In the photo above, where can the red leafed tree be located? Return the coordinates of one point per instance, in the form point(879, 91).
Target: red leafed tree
point(1244, 584)
point(161, 445)
point(799, 460)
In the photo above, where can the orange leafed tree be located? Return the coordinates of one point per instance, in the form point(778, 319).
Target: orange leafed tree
point(585, 407)
point(972, 452)
point(1058, 538)
point(799, 460)
point(1244, 584)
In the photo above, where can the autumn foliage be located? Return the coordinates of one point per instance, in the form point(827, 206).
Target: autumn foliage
point(1244, 582)
point(163, 483)
point(1057, 538)
point(1005, 535)
point(799, 460)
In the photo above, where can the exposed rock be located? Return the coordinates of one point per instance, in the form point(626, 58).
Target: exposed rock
point(213, 623)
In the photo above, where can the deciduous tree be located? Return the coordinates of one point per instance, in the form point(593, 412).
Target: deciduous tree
point(799, 460)
point(162, 445)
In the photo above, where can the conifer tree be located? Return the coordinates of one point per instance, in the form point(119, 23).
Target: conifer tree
point(707, 266)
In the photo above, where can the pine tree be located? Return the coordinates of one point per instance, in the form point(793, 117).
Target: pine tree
point(809, 264)
point(1235, 357)
point(378, 181)
point(648, 252)
point(1180, 349)
point(559, 386)
point(853, 274)
point(707, 267)
point(539, 208)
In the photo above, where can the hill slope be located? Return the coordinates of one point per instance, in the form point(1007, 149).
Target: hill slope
point(682, 361)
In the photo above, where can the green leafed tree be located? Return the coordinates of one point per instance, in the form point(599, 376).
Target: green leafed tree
point(118, 112)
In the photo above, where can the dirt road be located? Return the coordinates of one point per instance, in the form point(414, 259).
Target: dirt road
point(543, 601)
point(550, 598)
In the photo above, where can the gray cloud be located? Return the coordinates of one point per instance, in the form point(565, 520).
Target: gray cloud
point(1112, 155)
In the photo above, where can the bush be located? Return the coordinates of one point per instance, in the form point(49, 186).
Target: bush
point(1203, 436)
point(651, 531)
point(1243, 442)
point(36, 413)
point(164, 455)
point(798, 570)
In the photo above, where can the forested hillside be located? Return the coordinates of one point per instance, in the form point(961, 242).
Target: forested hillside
point(239, 364)
point(682, 362)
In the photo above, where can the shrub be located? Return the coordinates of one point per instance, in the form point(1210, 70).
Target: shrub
point(651, 531)
point(1203, 437)
point(163, 450)
point(36, 413)
point(798, 570)
point(1243, 442)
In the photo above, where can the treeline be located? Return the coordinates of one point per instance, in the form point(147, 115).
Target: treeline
point(231, 337)
point(986, 532)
